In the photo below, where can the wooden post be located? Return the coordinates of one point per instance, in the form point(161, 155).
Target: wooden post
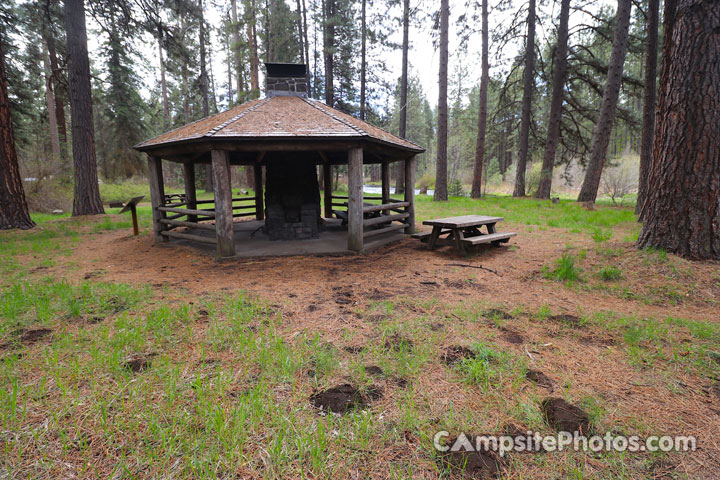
point(385, 180)
point(157, 195)
point(410, 193)
point(355, 199)
point(133, 213)
point(259, 210)
point(223, 204)
point(327, 188)
point(190, 193)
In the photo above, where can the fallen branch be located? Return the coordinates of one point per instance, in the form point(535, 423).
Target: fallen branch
point(473, 266)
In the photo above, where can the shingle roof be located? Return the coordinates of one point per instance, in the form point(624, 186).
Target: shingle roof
point(278, 116)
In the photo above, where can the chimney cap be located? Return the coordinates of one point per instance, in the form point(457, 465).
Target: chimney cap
point(287, 70)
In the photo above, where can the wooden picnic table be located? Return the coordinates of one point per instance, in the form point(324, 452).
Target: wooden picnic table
point(463, 231)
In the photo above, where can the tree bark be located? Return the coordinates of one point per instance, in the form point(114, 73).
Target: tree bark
point(603, 128)
point(204, 88)
point(236, 51)
point(163, 83)
point(528, 76)
point(558, 90)
point(363, 34)
point(254, 61)
point(50, 102)
point(13, 206)
point(399, 171)
point(648, 122)
point(681, 213)
point(476, 191)
point(307, 47)
point(86, 200)
point(328, 47)
point(57, 80)
point(441, 193)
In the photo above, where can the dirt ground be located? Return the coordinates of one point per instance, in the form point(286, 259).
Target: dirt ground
point(328, 295)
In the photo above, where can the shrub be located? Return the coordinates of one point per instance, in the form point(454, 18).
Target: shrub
point(455, 189)
point(426, 182)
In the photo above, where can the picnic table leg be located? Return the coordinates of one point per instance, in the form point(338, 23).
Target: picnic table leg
point(491, 228)
point(459, 237)
point(434, 236)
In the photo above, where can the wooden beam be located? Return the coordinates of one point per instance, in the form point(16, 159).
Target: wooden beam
point(327, 188)
point(385, 219)
point(385, 206)
point(410, 193)
point(380, 231)
point(259, 208)
point(355, 199)
point(190, 192)
point(187, 211)
point(188, 236)
point(179, 223)
point(223, 204)
point(157, 195)
point(385, 177)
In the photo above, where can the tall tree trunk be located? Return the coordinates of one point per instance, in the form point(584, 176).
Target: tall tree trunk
point(603, 128)
point(13, 206)
point(203, 63)
point(648, 122)
point(441, 192)
point(50, 102)
point(204, 88)
point(307, 47)
point(254, 60)
point(57, 80)
point(163, 84)
point(235, 48)
point(476, 191)
point(681, 213)
point(328, 47)
point(399, 169)
point(363, 34)
point(558, 90)
point(301, 37)
point(87, 192)
point(528, 76)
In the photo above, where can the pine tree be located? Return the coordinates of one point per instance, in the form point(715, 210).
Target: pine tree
point(681, 213)
point(87, 192)
point(13, 206)
point(603, 128)
point(528, 86)
point(441, 188)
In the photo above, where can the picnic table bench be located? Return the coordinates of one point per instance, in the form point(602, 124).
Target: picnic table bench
point(463, 231)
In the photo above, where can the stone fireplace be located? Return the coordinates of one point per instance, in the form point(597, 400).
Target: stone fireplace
point(292, 200)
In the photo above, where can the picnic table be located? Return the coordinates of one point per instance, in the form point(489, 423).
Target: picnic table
point(463, 231)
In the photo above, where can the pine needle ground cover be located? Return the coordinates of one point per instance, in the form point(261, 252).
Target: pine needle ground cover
point(127, 360)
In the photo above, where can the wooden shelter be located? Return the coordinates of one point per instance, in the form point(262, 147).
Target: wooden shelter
point(283, 137)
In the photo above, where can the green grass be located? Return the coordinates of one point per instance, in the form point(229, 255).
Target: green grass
point(564, 270)
point(610, 273)
point(226, 388)
point(526, 211)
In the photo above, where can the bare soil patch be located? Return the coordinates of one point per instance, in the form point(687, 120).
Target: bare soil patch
point(456, 354)
point(539, 378)
point(480, 465)
point(338, 399)
point(565, 417)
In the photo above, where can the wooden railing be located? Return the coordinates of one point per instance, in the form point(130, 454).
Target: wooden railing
point(196, 215)
point(383, 223)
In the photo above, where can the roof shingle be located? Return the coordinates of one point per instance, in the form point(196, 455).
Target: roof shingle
point(279, 116)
